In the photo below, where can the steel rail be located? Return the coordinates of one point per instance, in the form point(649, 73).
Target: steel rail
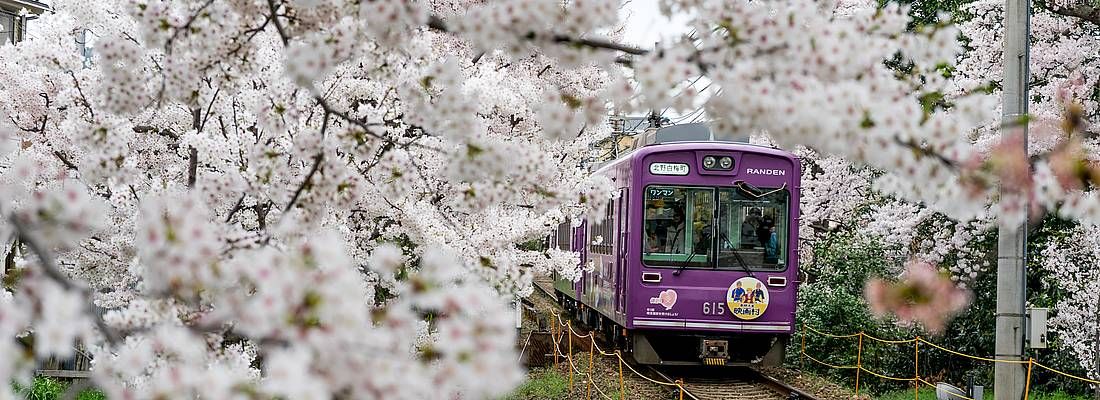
point(702, 389)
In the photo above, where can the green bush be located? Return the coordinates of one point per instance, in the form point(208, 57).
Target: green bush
point(46, 388)
point(543, 384)
point(832, 301)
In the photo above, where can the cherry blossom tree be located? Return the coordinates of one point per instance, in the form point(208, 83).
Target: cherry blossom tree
point(309, 199)
point(236, 182)
point(1071, 259)
point(1064, 108)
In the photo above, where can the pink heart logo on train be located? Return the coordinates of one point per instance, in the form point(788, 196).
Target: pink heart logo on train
point(668, 299)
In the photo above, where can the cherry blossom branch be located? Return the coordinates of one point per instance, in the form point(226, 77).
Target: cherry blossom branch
point(50, 269)
point(437, 23)
point(45, 112)
point(367, 127)
point(193, 154)
point(65, 160)
point(162, 132)
point(1086, 12)
point(83, 100)
point(275, 21)
point(317, 159)
point(209, 109)
point(186, 26)
point(924, 151)
point(237, 207)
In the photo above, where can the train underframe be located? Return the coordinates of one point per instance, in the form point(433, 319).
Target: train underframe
point(665, 347)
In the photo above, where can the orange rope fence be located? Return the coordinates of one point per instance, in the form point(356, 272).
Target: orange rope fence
point(564, 328)
point(916, 379)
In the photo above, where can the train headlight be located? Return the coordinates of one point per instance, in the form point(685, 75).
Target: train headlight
point(725, 162)
point(709, 161)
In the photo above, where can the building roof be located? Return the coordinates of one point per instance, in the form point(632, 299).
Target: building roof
point(34, 6)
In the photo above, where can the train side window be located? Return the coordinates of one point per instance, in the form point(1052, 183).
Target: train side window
point(600, 232)
point(678, 227)
point(564, 236)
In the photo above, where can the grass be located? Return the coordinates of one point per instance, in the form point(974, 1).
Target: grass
point(543, 384)
point(46, 388)
point(929, 394)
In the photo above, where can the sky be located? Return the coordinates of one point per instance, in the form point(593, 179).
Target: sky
point(645, 24)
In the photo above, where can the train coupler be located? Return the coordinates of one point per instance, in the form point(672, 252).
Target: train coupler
point(715, 352)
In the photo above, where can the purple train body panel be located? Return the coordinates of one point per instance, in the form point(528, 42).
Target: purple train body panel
point(696, 261)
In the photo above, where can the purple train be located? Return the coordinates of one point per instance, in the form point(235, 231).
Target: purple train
point(696, 261)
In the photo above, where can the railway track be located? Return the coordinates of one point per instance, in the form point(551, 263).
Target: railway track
point(709, 383)
point(730, 383)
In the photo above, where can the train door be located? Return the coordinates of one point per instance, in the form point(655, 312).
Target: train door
point(621, 254)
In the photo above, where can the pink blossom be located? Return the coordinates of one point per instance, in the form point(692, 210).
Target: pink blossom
point(924, 296)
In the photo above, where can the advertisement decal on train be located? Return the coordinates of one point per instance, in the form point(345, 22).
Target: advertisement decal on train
point(666, 298)
point(747, 298)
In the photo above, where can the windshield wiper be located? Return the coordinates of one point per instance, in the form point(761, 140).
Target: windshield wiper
point(740, 261)
point(684, 265)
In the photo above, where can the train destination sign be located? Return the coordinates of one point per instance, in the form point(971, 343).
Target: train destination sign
point(747, 298)
point(661, 168)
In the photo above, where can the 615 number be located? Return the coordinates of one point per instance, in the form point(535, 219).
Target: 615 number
point(714, 308)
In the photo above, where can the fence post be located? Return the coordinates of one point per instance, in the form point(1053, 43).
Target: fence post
point(557, 341)
point(569, 327)
point(622, 387)
point(1027, 383)
point(916, 368)
point(591, 349)
point(859, 360)
point(802, 354)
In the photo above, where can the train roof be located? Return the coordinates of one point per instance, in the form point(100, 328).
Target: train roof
point(697, 145)
point(697, 136)
point(644, 151)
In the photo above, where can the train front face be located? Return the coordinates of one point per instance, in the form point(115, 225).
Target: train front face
point(714, 254)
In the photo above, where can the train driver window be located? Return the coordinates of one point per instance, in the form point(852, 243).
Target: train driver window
point(678, 226)
point(752, 228)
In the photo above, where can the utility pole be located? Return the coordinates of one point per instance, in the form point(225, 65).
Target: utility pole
point(1009, 379)
point(1096, 357)
point(618, 122)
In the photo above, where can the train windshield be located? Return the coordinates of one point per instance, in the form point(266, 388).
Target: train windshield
point(750, 231)
point(752, 225)
point(678, 226)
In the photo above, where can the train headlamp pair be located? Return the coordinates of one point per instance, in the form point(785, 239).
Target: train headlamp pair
point(714, 162)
